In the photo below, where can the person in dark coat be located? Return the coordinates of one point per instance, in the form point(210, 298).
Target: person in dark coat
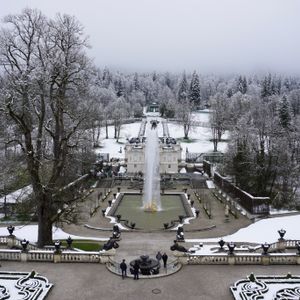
point(165, 259)
point(158, 256)
point(123, 267)
point(136, 269)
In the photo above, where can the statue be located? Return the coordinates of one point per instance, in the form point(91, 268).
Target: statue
point(116, 232)
point(178, 247)
point(180, 234)
point(110, 244)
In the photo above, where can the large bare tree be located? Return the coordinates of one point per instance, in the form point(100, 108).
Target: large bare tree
point(46, 75)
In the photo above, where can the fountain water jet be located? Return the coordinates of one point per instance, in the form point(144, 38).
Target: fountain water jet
point(151, 198)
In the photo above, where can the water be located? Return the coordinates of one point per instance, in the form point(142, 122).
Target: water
point(130, 208)
point(151, 198)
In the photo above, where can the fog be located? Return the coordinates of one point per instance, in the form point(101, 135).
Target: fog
point(222, 36)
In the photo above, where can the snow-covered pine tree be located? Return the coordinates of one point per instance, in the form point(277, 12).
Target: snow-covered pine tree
point(183, 89)
point(194, 93)
point(284, 113)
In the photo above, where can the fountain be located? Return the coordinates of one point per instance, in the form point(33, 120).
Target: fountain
point(148, 266)
point(151, 198)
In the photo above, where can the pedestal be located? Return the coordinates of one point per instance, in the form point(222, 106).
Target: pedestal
point(231, 260)
point(57, 258)
point(265, 260)
point(23, 256)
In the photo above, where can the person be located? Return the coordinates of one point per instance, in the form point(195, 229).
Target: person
point(123, 267)
point(165, 259)
point(136, 268)
point(158, 256)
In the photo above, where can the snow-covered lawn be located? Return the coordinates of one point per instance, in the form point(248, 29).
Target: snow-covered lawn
point(199, 136)
point(30, 233)
point(17, 196)
point(262, 231)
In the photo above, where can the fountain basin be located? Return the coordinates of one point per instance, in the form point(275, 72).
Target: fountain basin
point(130, 207)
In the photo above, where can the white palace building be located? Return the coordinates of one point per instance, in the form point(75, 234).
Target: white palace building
point(169, 153)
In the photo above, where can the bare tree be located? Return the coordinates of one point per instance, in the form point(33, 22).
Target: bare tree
point(47, 75)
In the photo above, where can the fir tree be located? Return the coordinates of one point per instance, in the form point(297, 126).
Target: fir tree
point(266, 90)
point(119, 87)
point(136, 84)
point(284, 113)
point(183, 89)
point(194, 94)
point(242, 85)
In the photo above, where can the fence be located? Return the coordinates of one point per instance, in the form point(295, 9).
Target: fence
point(255, 205)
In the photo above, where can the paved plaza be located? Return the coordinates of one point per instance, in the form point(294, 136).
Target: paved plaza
point(94, 281)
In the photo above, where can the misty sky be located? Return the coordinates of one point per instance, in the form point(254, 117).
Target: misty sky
point(175, 35)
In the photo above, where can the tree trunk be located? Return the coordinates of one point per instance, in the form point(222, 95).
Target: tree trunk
point(115, 127)
point(106, 129)
point(215, 139)
point(44, 221)
point(98, 134)
point(186, 130)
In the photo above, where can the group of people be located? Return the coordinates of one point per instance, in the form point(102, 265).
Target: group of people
point(136, 267)
point(163, 257)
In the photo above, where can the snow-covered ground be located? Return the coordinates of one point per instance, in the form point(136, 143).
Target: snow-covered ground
point(17, 196)
point(30, 233)
point(200, 137)
point(262, 231)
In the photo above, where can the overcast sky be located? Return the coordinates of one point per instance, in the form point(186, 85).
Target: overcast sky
point(176, 35)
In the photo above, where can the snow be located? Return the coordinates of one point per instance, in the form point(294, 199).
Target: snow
point(262, 231)
point(274, 211)
point(210, 184)
point(30, 233)
point(17, 195)
point(200, 136)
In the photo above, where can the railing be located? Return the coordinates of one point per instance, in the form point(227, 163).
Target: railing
point(39, 255)
point(3, 240)
point(286, 244)
point(85, 257)
point(6, 254)
point(49, 254)
point(241, 259)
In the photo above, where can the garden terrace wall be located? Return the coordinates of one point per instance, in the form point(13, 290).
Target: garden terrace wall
point(255, 205)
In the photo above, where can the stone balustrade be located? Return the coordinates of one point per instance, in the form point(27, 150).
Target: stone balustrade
point(85, 257)
point(48, 254)
point(6, 254)
point(40, 255)
point(3, 240)
point(239, 259)
point(51, 256)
